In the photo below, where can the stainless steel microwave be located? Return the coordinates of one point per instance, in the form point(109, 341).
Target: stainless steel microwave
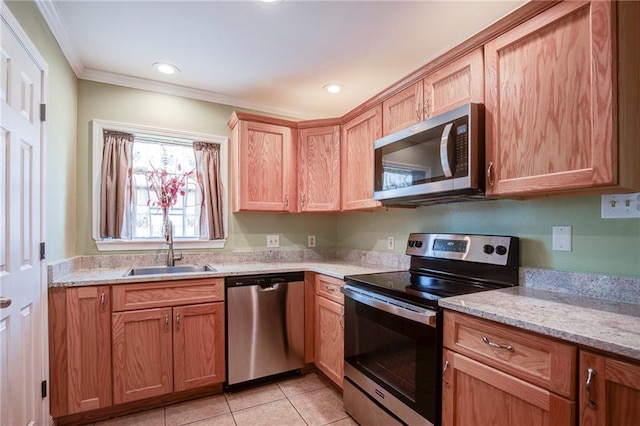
point(438, 160)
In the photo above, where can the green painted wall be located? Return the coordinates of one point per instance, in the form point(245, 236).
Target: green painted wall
point(609, 246)
point(60, 135)
point(125, 105)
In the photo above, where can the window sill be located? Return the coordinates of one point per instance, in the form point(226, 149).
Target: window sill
point(121, 245)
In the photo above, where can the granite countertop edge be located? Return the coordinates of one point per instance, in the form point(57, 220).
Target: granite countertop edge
point(116, 276)
point(608, 326)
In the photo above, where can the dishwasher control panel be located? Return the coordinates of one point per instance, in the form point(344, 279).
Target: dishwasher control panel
point(264, 280)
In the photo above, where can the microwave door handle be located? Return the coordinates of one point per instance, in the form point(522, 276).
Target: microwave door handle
point(446, 150)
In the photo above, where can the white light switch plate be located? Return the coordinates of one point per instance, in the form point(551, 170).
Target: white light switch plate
point(561, 238)
point(620, 206)
point(391, 243)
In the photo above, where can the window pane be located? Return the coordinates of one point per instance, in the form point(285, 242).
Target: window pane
point(176, 159)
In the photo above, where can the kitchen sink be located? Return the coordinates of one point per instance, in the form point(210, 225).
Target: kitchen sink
point(157, 270)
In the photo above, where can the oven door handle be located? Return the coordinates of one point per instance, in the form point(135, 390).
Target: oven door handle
point(421, 315)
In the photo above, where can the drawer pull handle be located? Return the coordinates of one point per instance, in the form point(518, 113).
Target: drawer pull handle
point(591, 373)
point(330, 288)
point(496, 345)
point(102, 302)
point(166, 323)
point(446, 365)
point(178, 321)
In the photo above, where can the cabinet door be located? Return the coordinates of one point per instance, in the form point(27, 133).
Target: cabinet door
point(475, 394)
point(329, 345)
point(266, 168)
point(319, 169)
point(612, 396)
point(402, 110)
point(79, 349)
point(142, 354)
point(549, 116)
point(356, 166)
point(455, 84)
point(198, 345)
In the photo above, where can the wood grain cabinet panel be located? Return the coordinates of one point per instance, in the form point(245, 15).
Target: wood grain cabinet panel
point(80, 349)
point(329, 345)
point(546, 362)
point(142, 354)
point(319, 169)
point(403, 109)
point(173, 293)
point(263, 165)
point(476, 394)
point(198, 345)
point(455, 84)
point(356, 168)
point(559, 108)
point(611, 396)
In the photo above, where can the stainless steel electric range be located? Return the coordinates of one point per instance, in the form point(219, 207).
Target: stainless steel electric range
point(393, 325)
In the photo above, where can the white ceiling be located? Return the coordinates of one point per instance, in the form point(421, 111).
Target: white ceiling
point(273, 57)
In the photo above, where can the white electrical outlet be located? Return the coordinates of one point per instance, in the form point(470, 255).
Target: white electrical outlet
point(311, 241)
point(561, 238)
point(273, 240)
point(620, 206)
point(391, 243)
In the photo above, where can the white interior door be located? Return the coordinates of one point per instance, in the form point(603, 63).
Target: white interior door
point(21, 318)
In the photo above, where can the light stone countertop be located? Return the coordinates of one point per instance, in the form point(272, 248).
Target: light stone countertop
point(101, 276)
point(595, 323)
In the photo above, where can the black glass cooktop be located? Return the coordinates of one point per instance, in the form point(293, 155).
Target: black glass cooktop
point(414, 287)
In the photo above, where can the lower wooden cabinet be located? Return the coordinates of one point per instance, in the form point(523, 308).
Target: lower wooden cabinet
point(609, 391)
point(163, 350)
point(79, 349)
point(494, 374)
point(476, 394)
point(329, 328)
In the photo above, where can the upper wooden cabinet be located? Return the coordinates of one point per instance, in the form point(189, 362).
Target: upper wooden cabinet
point(356, 160)
point(319, 169)
point(609, 391)
point(80, 349)
point(263, 168)
point(456, 83)
point(561, 101)
point(403, 109)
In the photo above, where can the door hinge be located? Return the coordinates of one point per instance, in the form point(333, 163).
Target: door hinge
point(44, 388)
point(41, 251)
point(43, 112)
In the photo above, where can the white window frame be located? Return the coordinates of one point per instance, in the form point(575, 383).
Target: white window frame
point(97, 130)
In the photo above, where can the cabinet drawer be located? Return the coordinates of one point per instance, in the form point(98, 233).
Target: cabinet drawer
point(329, 288)
point(128, 297)
point(537, 359)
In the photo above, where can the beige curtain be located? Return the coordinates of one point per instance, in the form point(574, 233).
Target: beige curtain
point(208, 172)
point(115, 185)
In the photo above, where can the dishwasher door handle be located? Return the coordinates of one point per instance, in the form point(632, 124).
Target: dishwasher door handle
point(270, 288)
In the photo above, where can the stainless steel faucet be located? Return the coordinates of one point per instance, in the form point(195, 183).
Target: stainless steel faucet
point(168, 235)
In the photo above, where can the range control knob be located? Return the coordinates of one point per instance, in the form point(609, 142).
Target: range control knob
point(418, 244)
point(410, 243)
point(501, 250)
point(488, 249)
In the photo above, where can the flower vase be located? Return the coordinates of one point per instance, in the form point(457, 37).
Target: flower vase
point(165, 222)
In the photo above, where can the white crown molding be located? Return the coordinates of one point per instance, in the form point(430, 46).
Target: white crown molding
point(188, 92)
point(52, 17)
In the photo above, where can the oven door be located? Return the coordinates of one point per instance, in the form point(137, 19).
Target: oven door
point(392, 353)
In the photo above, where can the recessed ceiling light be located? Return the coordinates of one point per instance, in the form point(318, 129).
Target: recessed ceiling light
point(166, 68)
point(333, 88)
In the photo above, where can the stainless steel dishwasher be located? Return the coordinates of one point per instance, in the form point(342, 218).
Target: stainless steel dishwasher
point(265, 325)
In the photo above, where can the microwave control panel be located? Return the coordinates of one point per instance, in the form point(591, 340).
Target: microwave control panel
point(461, 127)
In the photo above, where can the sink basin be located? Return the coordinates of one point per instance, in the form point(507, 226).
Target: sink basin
point(157, 270)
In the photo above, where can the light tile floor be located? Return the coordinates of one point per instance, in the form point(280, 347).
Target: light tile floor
point(304, 400)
